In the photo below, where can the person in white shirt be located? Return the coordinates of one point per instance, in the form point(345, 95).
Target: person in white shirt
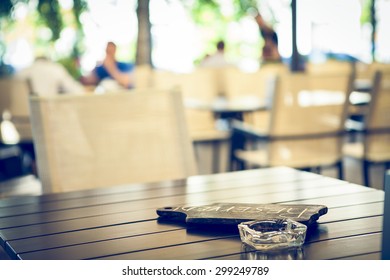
point(48, 78)
point(217, 59)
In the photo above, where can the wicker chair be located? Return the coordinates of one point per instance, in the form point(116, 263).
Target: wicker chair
point(305, 127)
point(96, 141)
point(375, 146)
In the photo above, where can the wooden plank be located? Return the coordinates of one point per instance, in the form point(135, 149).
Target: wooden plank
point(254, 194)
point(352, 247)
point(181, 252)
point(228, 248)
point(77, 224)
point(135, 243)
point(305, 189)
point(352, 212)
point(336, 214)
point(88, 236)
point(367, 257)
point(155, 193)
point(140, 215)
point(191, 181)
point(322, 232)
point(167, 239)
point(346, 199)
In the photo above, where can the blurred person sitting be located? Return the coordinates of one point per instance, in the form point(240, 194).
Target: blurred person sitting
point(111, 70)
point(217, 59)
point(48, 78)
point(270, 52)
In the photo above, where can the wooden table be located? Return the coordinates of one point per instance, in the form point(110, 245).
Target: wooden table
point(225, 108)
point(121, 222)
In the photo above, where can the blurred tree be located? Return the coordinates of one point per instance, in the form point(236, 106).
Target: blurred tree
point(204, 12)
point(373, 25)
point(71, 63)
point(369, 17)
point(144, 39)
point(79, 6)
point(50, 15)
point(6, 9)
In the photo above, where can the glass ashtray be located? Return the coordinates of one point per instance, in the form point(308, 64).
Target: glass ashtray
point(272, 234)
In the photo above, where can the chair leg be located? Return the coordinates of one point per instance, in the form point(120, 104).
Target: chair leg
point(316, 170)
point(340, 169)
point(216, 155)
point(237, 142)
point(306, 169)
point(366, 173)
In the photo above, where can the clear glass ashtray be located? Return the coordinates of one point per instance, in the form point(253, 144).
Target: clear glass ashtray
point(272, 234)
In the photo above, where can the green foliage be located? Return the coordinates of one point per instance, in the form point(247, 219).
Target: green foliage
point(79, 6)
point(243, 6)
point(72, 66)
point(366, 12)
point(205, 11)
point(208, 14)
point(50, 12)
point(6, 8)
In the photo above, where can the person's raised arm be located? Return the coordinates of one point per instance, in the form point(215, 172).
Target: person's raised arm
point(262, 24)
point(124, 79)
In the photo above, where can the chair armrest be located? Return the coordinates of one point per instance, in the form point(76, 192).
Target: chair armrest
point(241, 134)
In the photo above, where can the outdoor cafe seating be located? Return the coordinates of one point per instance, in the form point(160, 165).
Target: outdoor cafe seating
point(375, 145)
point(92, 141)
point(306, 126)
point(154, 133)
point(111, 169)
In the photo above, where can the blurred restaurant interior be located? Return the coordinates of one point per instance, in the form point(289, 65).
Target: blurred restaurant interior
point(155, 98)
point(321, 104)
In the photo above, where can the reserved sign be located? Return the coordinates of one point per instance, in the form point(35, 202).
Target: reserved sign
point(235, 213)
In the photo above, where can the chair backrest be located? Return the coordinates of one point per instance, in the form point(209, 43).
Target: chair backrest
point(200, 84)
point(260, 84)
point(309, 104)
point(307, 117)
point(379, 107)
point(377, 123)
point(367, 71)
point(14, 94)
point(386, 219)
point(330, 67)
point(103, 140)
point(163, 79)
point(143, 76)
point(240, 84)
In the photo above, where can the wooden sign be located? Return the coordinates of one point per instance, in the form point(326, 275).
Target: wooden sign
point(235, 213)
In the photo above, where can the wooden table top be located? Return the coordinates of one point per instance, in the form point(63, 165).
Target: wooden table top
point(246, 103)
point(121, 222)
